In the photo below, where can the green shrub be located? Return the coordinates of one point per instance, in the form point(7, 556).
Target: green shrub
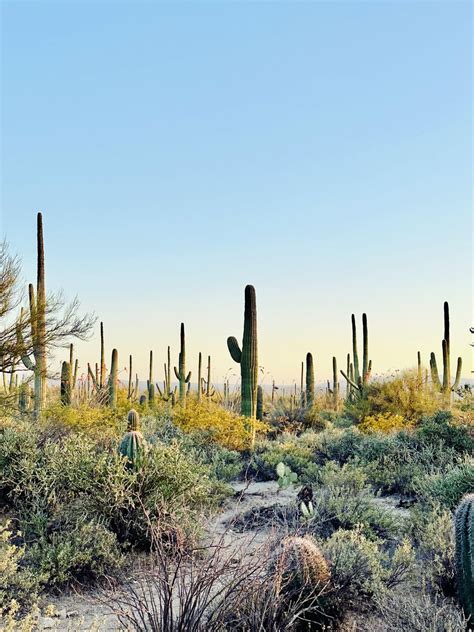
point(361, 572)
point(433, 531)
point(441, 428)
point(65, 491)
point(17, 583)
point(448, 488)
point(88, 553)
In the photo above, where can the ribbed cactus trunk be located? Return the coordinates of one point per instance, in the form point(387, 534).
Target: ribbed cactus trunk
point(259, 413)
point(39, 347)
point(113, 379)
point(309, 379)
point(355, 355)
point(247, 357)
point(151, 384)
point(199, 383)
point(65, 384)
point(464, 558)
point(445, 386)
point(102, 357)
point(181, 376)
point(130, 386)
point(209, 389)
point(335, 384)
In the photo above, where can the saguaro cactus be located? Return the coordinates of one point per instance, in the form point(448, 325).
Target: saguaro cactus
point(151, 384)
point(309, 379)
point(259, 413)
point(359, 380)
point(113, 380)
point(65, 384)
point(464, 532)
point(181, 376)
point(445, 386)
point(334, 391)
point(247, 357)
point(37, 325)
point(133, 445)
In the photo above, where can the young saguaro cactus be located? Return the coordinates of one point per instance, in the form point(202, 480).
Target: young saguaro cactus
point(445, 386)
point(247, 357)
point(464, 558)
point(309, 379)
point(181, 376)
point(133, 444)
point(66, 386)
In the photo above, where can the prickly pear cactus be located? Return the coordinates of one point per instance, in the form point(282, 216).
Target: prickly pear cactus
point(285, 476)
point(300, 564)
point(464, 532)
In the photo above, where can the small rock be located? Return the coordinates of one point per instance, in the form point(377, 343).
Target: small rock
point(71, 614)
point(62, 614)
point(47, 623)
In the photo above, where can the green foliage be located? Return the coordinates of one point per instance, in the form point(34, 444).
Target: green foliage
point(16, 582)
point(361, 572)
point(87, 553)
point(449, 487)
point(434, 534)
point(401, 395)
point(63, 491)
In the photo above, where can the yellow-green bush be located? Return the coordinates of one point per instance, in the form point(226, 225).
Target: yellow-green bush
point(227, 428)
point(384, 422)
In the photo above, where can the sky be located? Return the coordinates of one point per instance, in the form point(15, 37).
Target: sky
point(321, 151)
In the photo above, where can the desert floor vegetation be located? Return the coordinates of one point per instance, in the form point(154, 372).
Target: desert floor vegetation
point(193, 506)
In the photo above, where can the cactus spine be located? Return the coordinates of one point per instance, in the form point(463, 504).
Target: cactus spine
point(301, 564)
point(181, 376)
point(445, 386)
point(113, 380)
point(247, 357)
point(309, 379)
point(464, 559)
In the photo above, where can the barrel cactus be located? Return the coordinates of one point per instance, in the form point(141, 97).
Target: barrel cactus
point(464, 532)
point(133, 444)
point(301, 564)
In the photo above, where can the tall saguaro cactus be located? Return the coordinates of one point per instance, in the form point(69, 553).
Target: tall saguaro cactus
point(37, 325)
point(113, 380)
point(181, 376)
point(464, 532)
point(445, 386)
point(309, 379)
point(247, 357)
point(334, 391)
point(359, 380)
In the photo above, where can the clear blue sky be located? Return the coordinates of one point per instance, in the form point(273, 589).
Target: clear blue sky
point(321, 151)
